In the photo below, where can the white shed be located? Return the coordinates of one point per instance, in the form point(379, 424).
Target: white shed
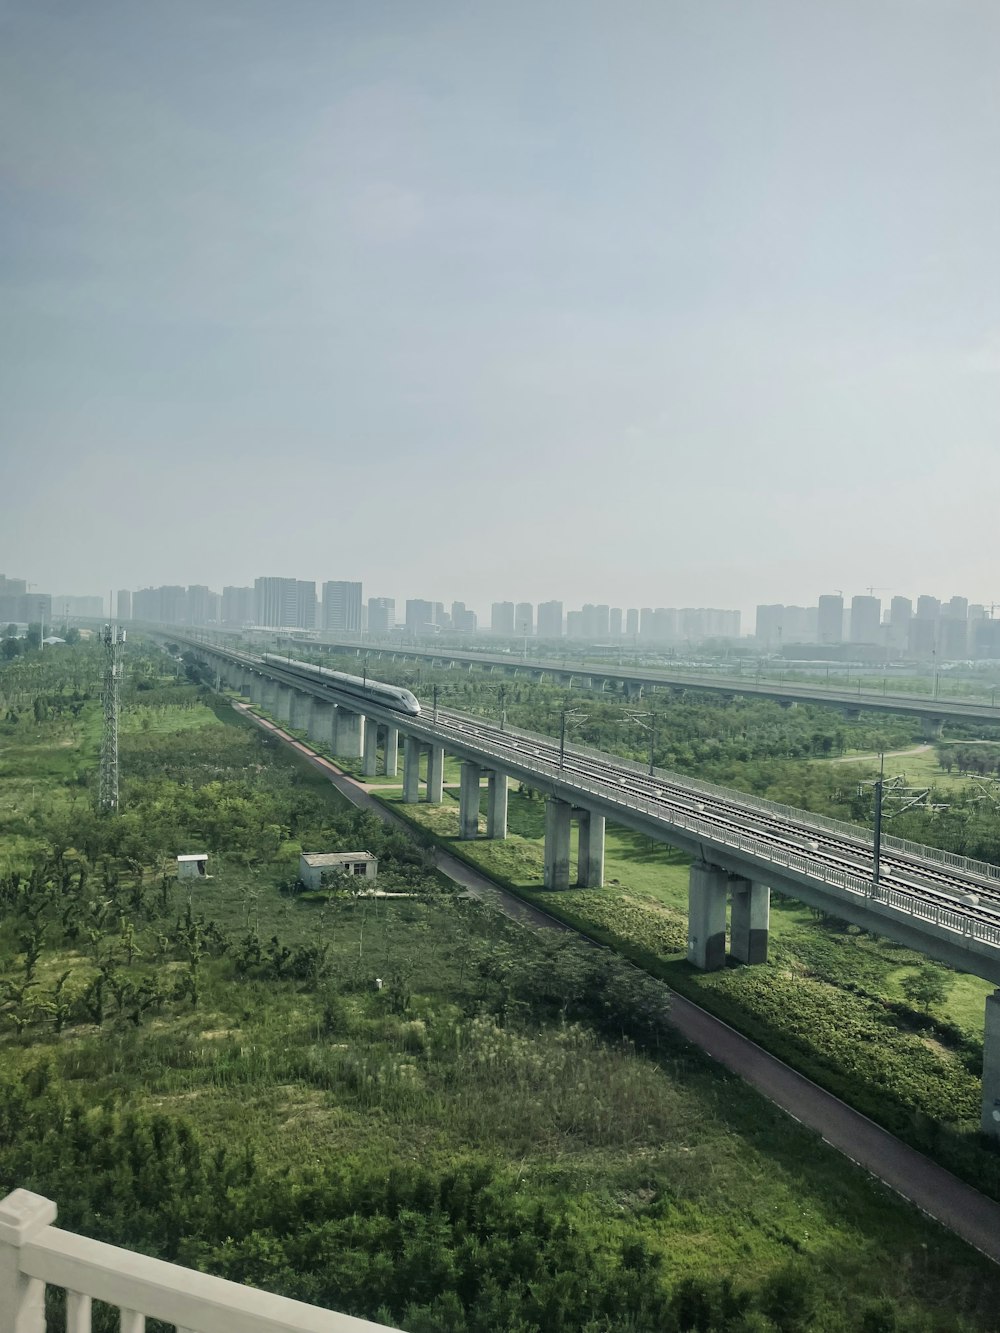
point(193, 867)
point(314, 865)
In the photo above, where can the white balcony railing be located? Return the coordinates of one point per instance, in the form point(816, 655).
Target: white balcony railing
point(34, 1254)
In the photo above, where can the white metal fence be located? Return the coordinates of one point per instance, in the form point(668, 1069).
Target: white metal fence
point(34, 1255)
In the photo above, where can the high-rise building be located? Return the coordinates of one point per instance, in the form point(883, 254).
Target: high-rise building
point(463, 621)
point(203, 605)
point(381, 615)
point(667, 625)
point(502, 618)
point(420, 616)
point(866, 617)
point(550, 620)
point(124, 603)
point(632, 622)
point(342, 607)
point(830, 619)
point(68, 604)
point(237, 606)
point(12, 587)
point(900, 615)
point(928, 608)
point(574, 625)
point(285, 603)
point(646, 623)
point(524, 618)
point(615, 622)
point(953, 639)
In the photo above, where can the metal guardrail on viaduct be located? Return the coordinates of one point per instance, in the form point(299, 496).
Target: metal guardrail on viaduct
point(939, 904)
point(933, 710)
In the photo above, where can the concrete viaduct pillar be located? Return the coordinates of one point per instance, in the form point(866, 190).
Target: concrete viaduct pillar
point(558, 815)
point(590, 849)
point(411, 771)
point(269, 696)
point(496, 806)
point(321, 722)
point(391, 751)
point(370, 765)
point(301, 711)
point(708, 888)
point(468, 803)
point(350, 738)
point(283, 703)
point(749, 925)
point(435, 774)
point(991, 1067)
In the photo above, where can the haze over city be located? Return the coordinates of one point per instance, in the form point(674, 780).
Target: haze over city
point(684, 304)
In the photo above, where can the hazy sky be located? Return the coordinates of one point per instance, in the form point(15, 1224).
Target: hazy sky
point(668, 303)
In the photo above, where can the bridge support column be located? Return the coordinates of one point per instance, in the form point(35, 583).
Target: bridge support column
point(253, 687)
point(706, 945)
point(590, 853)
point(321, 722)
point(370, 766)
point(391, 751)
point(301, 711)
point(558, 815)
point(350, 734)
point(269, 696)
point(496, 805)
point(283, 706)
point(435, 774)
point(411, 771)
point(991, 1067)
point(932, 728)
point(750, 921)
point(468, 803)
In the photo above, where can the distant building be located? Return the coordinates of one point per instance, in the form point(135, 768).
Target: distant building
point(463, 621)
point(342, 607)
point(769, 626)
point(124, 603)
point(632, 622)
point(666, 625)
point(502, 618)
point(12, 587)
point(65, 604)
point(574, 624)
point(615, 622)
point(830, 619)
point(381, 615)
point(420, 616)
point(524, 618)
point(284, 603)
point(550, 620)
point(204, 607)
point(900, 615)
point(866, 618)
point(237, 606)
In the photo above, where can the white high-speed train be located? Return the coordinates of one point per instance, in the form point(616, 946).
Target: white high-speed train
point(389, 696)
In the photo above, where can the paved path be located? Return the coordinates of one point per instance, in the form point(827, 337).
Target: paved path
point(935, 1191)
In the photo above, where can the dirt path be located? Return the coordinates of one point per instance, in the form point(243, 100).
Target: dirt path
point(936, 1192)
point(889, 754)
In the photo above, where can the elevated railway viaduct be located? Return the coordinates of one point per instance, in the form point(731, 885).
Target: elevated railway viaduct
point(942, 905)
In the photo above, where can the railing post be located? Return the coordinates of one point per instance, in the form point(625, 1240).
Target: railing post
point(22, 1299)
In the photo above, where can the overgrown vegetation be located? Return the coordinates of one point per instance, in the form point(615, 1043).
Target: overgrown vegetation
point(504, 1135)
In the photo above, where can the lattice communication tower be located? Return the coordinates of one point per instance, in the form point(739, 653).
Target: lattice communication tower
point(113, 637)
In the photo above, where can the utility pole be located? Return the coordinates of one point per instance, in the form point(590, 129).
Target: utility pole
point(114, 640)
point(651, 728)
point(877, 839)
point(502, 704)
point(435, 688)
point(566, 712)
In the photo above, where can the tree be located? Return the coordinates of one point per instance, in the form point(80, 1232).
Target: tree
point(72, 635)
point(926, 987)
point(11, 631)
point(34, 636)
point(10, 648)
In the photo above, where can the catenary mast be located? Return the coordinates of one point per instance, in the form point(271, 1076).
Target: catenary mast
point(114, 639)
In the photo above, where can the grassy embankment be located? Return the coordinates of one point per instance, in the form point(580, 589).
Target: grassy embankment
point(830, 1000)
